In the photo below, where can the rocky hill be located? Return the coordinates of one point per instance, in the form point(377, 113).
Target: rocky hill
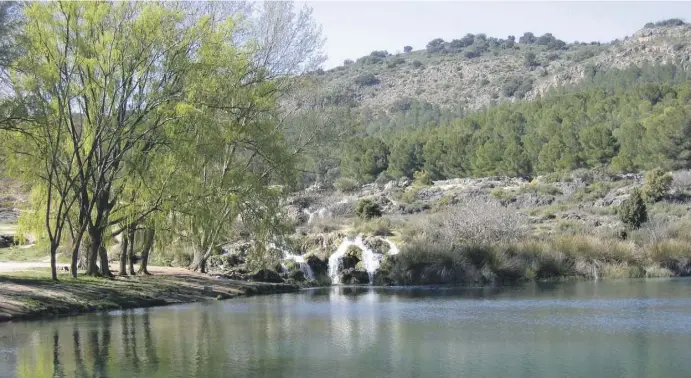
point(478, 71)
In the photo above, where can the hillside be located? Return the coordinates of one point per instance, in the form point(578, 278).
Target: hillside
point(479, 71)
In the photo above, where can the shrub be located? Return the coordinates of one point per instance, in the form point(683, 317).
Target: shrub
point(367, 209)
point(502, 195)
point(632, 212)
point(366, 79)
point(436, 45)
point(379, 54)
point(417, 64)
point(346, 185)
point(530, 59)
point(543, 189)
point(517, 87)
point(471, 53)
point(478, 221)
point(376, 227)
point(422, 178)
point(656, 185)
point(407, 49)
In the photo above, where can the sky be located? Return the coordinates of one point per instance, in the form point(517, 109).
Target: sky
point(356, 28)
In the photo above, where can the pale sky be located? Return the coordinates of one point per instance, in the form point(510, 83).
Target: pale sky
point(355, 28)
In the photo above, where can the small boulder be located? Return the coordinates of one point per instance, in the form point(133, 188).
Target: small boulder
point(6, 241)
point(297, 275)
point(266, 275)
point(318, 265)
point(354, 277)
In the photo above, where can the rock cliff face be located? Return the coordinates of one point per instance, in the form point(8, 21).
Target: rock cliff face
point(452, 79)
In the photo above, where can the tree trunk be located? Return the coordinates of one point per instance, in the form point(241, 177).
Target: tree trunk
point(53, 267)
point(148, 244)
point(105, 269)
point(130, 254)
point(199, 261)
point(123, 254)
point(92, 252)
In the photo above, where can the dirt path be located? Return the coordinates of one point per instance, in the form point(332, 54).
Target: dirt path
point(26, 290)
point(6, 267)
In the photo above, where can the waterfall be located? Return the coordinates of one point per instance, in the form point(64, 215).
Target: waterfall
point(334, 260)
point(370, 259)
point(299, 259)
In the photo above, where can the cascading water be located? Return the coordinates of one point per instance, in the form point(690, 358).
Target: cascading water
point(304, 266)
point(299, 259)
point(370, 259)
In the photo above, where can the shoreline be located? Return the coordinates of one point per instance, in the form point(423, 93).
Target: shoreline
point(31, 295)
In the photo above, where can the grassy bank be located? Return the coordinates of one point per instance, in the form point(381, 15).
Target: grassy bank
point(30, 295)
point(423, 262)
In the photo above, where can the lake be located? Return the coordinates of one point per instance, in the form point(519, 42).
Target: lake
point(618, 328)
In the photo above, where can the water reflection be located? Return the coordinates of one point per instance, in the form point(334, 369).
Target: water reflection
point(597, 329)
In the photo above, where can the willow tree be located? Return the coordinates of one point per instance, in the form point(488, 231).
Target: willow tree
point(107, 79)
point(237, 148)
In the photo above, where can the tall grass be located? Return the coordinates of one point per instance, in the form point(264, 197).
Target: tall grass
point(486, 243)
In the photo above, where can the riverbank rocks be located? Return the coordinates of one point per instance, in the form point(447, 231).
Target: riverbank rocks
point(352, 257)
point(354, 277)
point(298, 276)
point(318, 266)
point(266, 275)
point(6, 241)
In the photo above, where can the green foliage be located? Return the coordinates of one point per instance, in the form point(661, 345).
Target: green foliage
point(367, 209)
point(632, 212)
point(407, 49)
point(502, 194)
point(367, 79)
point(346, 185)
point(364, 158)
point(530, 60)
point(543, 189)
point(656, 185)
point(664, 23)
point(435, 46)
point(376, 227)
point(517, 87)
point(422, 178)
point(593, 192)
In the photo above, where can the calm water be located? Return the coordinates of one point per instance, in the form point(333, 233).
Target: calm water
point(630, 328)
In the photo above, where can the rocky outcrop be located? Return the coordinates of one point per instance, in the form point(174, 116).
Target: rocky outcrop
point(318, 266)
point(266, 275)
point(354, 276)
point(6, 241)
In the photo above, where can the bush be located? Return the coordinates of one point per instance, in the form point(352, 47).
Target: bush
point(530, 59)
point(478, 221)
point(632, 212)
point(367, 209)
point(422, 178)
point(366, 79)
point(436, 45)
point(346, 185)
point(417, 64)
point(656, 185)
point(407, 49)
point(517, 87)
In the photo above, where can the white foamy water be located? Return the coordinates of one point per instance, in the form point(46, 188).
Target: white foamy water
point(370, 259)
point(299, 259)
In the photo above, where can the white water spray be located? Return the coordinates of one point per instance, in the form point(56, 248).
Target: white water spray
point(370, 259)
point(299, 259)
point(304, 266)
